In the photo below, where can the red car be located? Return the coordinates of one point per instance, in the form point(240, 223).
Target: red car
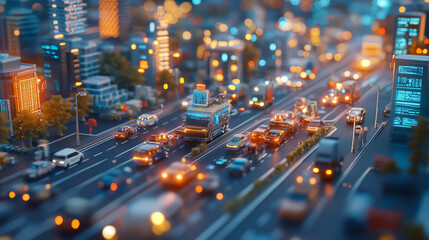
point(124, 133)
point(275, 137)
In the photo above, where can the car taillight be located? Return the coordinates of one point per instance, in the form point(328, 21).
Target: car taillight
point(328, 172)
point(315, 170)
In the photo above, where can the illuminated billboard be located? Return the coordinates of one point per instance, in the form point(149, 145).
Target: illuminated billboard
point(410, 28)
point(409, 93)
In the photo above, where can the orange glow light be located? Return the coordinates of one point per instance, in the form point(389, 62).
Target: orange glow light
point(27, 92)
point(200, 176)
point(113, 187)
point(75, 224)
point(198, 189)
point(59, 220)
point(108, 18)
point(328, 172)
point(402, 9)
point(12, 194)
point(315, 170)
point(382, 31)
point(16, 32)
point(251, 63)
point(26, 197)
point(219, 196)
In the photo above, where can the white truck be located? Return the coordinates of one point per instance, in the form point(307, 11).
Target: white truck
point(329, 160)
point(372, 53)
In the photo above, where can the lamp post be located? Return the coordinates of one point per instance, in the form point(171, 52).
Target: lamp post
point(376, 107)
point(353, 137)
point(77, 116)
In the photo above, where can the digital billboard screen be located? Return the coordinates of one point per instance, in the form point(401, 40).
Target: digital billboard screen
point(407, 29)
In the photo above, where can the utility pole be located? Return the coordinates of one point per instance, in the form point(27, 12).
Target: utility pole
point(353, 137)
point(376, 106)
point(77, 117)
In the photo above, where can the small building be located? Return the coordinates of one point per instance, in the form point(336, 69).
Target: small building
point(106, 95)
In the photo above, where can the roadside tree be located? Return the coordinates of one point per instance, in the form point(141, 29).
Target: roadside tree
point(29, 126)
point(57, 112)
point(84, 104)
point(4, 135)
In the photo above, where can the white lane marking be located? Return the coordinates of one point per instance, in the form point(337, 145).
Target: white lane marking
point(124, 142)
point(59, 172)
point(155, 127)
point(86, 159)
point(195, 217)
point(182, 146)
point(135, 136)
point(359, 181)
point(164, 123)
point(214, 227)
point(54, 184)
point(263, 219)
point(74, 165)
point(98, 154)
point(110, 148)
point(174, 119)
point(12, 225)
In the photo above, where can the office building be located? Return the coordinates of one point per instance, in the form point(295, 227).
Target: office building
point(410, 29)
point(144, 57)
point(22, 28)
point(5, 108)
point(19, 84)
point(410, 94)
point(89, 57)
point(225, 58)
point(106, 95)
point(114, 18)
point(162, 41)
point(67, 16)
point(61, 69)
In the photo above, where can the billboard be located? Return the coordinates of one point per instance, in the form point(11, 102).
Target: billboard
point(409, 93)
point(410, 28)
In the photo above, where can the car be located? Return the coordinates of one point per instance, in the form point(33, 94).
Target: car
point(255, 151)
point(149, 153)
point(331, 98)
point(40, 193)
point(147, 120)
point(111, 180)
point(75, 216)
point(222, 162)
point(39, 169)
point(16, 191)
point(144, 215)
point(356, 210)
point(386, 111)
point(352, 75)
point(124, 133)
point(315, 126)
point(258, 135)
point(240, 166)
point(236, 142)
point(186, 102)
point(355, 114)
point(275, 137)
point(208, 183)
point(294, 83)
point(178, 174)
point(67, 157)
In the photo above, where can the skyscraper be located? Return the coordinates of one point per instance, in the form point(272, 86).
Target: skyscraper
point(67, 16)
point(114, 18)
point(144, 57)
point(19, 84)
point(22, 28)
point(162, 42)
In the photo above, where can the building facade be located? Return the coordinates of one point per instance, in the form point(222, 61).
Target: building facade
point(67, 16)
point(114, 18)
point(162, 42)
point(106, 95)
point(22, 28)
point(143, 56)
point(19, 84)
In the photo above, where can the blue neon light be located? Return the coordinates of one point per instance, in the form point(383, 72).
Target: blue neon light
point(273, 46)
point(233, 57)
point(233, 31)
point(254, 99)
point(196, 2)
point(262, 62)
point(224, 57)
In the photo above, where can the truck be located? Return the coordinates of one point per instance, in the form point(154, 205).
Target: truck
point(285, 121)
point(42, 152)
point(262, 95)
point(349, 92)
point(329, 161)
point(258, 135)
point(306, 109)
point(372, 53)
point(207, 117)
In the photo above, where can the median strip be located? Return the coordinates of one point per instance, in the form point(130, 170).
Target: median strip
point(291, 157)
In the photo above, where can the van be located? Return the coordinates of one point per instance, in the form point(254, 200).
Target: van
point(146, 120)
point(67, 157)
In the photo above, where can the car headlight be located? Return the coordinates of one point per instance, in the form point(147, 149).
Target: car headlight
point(164, 175)
point(61, 162)
point(251, 102)
point(261, 104)
point(324, 100)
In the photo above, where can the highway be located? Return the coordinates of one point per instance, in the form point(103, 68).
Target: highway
point(106, 154)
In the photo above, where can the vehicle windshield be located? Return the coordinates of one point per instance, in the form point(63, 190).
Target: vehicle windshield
point(314, 123)
point(34, 167)
point(59, 157)
point(298, 197)
point(234, 140)
point(122, 130)
point(256, 97)
point(274, 134)
point(197, 119)
point(354, 112)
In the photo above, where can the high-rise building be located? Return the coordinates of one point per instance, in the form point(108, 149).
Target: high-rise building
point(61, 69)
point(22, 28)
point(89, 59)
point(67, 16)
point(410, 29)
point(144, 57)
point(410, 98)
point(162, 42)
point(5, 108)
point(114, 18)
point(19, 84)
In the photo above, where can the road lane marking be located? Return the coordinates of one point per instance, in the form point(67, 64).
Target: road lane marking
point(98, 154)
point(110, 148)
point(214, 227)
point(164, 123)
point(359, 181)
point(263, 219)
point(174, 119)
point(58, 173)
point(124, 142)
point(155, 127)
point(74, 165)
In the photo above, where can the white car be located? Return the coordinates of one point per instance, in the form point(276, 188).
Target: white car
point(236, 142)
point(147, 120)
point(67, 157)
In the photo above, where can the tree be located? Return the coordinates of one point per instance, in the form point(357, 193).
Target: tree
point(57, 112)
point(4, 130)
point(251, 56)
point(91, 123)
point(165, 77)
point(83, 103)
point(419, 145)
point(117, 66)
point(29, 126)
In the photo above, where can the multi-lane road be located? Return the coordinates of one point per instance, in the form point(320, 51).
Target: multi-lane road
point(203, 218)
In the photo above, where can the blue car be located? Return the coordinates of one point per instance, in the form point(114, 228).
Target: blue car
point(110, 178)
point(240, 166)
point(149, 153)
point(222, 162)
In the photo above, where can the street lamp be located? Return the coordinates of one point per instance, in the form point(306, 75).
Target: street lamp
point(354, 129)
point(376, 107)
point(77, 117)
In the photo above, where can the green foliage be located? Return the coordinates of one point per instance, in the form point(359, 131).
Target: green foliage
point(251, 53)
point(199, 149)
point(4, 130)
point(83, 103)
point(118, 67)
point(57, 112)
point(29, 126)
point(168, 78)
point(291, 157)
point(390, 168)
point(419, 145)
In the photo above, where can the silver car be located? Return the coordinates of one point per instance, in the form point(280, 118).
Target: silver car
point(39, 169)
